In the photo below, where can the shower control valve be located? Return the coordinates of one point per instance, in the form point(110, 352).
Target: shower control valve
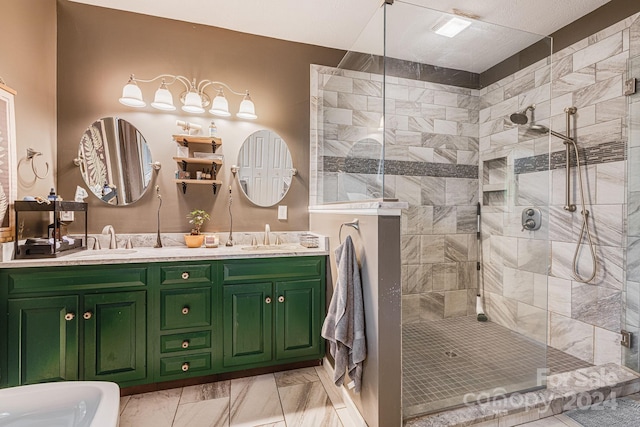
point(531, 219)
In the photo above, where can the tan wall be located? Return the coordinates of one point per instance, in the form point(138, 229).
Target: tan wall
point(28, 65)
point(97, 50)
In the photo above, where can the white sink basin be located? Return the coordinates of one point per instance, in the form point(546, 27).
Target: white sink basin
point(273, 248)
point(105, 252)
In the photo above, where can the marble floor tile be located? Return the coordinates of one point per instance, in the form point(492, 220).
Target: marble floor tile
point(296, 376)
point(254, 401)
point(155, 409)
point(196, 393)
point(345, 418)
point(123, 402)
point(307, 405)
point(546, 422)
point(205, 413)
point(334, 392)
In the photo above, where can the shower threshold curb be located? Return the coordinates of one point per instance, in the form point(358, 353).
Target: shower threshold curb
point(566, 391)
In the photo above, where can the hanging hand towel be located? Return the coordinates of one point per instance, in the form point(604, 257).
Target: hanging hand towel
point(344, 325)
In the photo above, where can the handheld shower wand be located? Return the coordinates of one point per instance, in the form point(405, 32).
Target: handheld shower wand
point(521, 118)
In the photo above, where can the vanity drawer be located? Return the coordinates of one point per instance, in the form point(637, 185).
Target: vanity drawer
point(185, 342)
point(45, 279)
point(185, 308)
point(179, 274)
point(239, 271)
point(185, 365)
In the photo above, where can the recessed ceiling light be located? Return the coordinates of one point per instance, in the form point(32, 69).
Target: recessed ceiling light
point(451, 27)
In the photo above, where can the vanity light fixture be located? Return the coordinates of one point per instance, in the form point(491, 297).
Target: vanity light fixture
point(194, 99)
point(451, 27)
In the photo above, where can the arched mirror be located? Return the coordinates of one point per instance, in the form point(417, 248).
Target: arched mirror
point(115, 161)
point(264, 168)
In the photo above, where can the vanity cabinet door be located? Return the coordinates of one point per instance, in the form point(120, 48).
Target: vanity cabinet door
point(247, 323)
point(43, 333)
point(114, 336)
point(298, 318)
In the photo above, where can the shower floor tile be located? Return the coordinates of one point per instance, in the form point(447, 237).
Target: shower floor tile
point(453, 361)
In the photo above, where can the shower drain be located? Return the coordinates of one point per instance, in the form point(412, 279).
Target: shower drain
point(451, 354)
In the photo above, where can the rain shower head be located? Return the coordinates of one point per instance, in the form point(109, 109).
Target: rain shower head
point(538, 128)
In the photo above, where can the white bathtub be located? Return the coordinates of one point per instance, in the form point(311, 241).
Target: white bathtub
point(62, 404)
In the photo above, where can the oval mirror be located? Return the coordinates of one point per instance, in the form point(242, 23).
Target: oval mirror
point(264, 168)
point(115, 161)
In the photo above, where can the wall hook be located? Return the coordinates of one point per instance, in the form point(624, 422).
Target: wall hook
point(31, 154)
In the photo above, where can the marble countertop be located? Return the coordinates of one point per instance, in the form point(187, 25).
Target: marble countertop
point(165, 254)
point(173, 250)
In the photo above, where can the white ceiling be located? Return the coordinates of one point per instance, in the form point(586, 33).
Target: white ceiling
point(344, 24)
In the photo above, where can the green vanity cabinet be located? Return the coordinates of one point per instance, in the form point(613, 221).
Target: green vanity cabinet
point(248, 319)
point(74, 323)
point(188, 306)
point(115, 337)
point(43, 337)
point(272, 311)
point(144, 323)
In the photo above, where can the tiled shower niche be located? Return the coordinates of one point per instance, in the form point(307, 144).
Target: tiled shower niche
point(494, 181)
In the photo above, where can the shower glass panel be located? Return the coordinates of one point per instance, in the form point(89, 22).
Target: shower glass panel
point(631, 316)
point(347, 142)
point(423, 118)
point(449, 147)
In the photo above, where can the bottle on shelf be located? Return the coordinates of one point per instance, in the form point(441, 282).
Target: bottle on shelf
point(213, 129)
point(52, 195)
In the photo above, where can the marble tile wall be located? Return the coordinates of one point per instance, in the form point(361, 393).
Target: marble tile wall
point(583, 319)
point(440, 139)
point(431, 161)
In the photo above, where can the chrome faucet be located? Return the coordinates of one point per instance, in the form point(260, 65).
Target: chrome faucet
point(108, 229)
point(267, 230)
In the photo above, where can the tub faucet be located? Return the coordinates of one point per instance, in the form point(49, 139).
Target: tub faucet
point(267, 230)
point(108, 229)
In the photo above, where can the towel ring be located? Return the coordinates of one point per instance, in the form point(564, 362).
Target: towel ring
point(31, 154)
point(355, 224)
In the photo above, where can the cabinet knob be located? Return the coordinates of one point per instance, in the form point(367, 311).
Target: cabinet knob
point(185, 366)
point(281, 298)
point(69, 316)
point(185, 310)
point(185, 275)
point(87, 315)
point(267, 300)
point(185, 344)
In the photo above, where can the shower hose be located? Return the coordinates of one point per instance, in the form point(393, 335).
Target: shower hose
point(583, 229)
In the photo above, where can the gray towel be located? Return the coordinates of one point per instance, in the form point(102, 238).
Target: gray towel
point(344, 324)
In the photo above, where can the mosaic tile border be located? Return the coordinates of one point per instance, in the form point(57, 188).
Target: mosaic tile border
point(398, 167)
point(607, 152)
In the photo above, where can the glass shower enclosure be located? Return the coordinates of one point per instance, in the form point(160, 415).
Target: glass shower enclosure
point(414, 115)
